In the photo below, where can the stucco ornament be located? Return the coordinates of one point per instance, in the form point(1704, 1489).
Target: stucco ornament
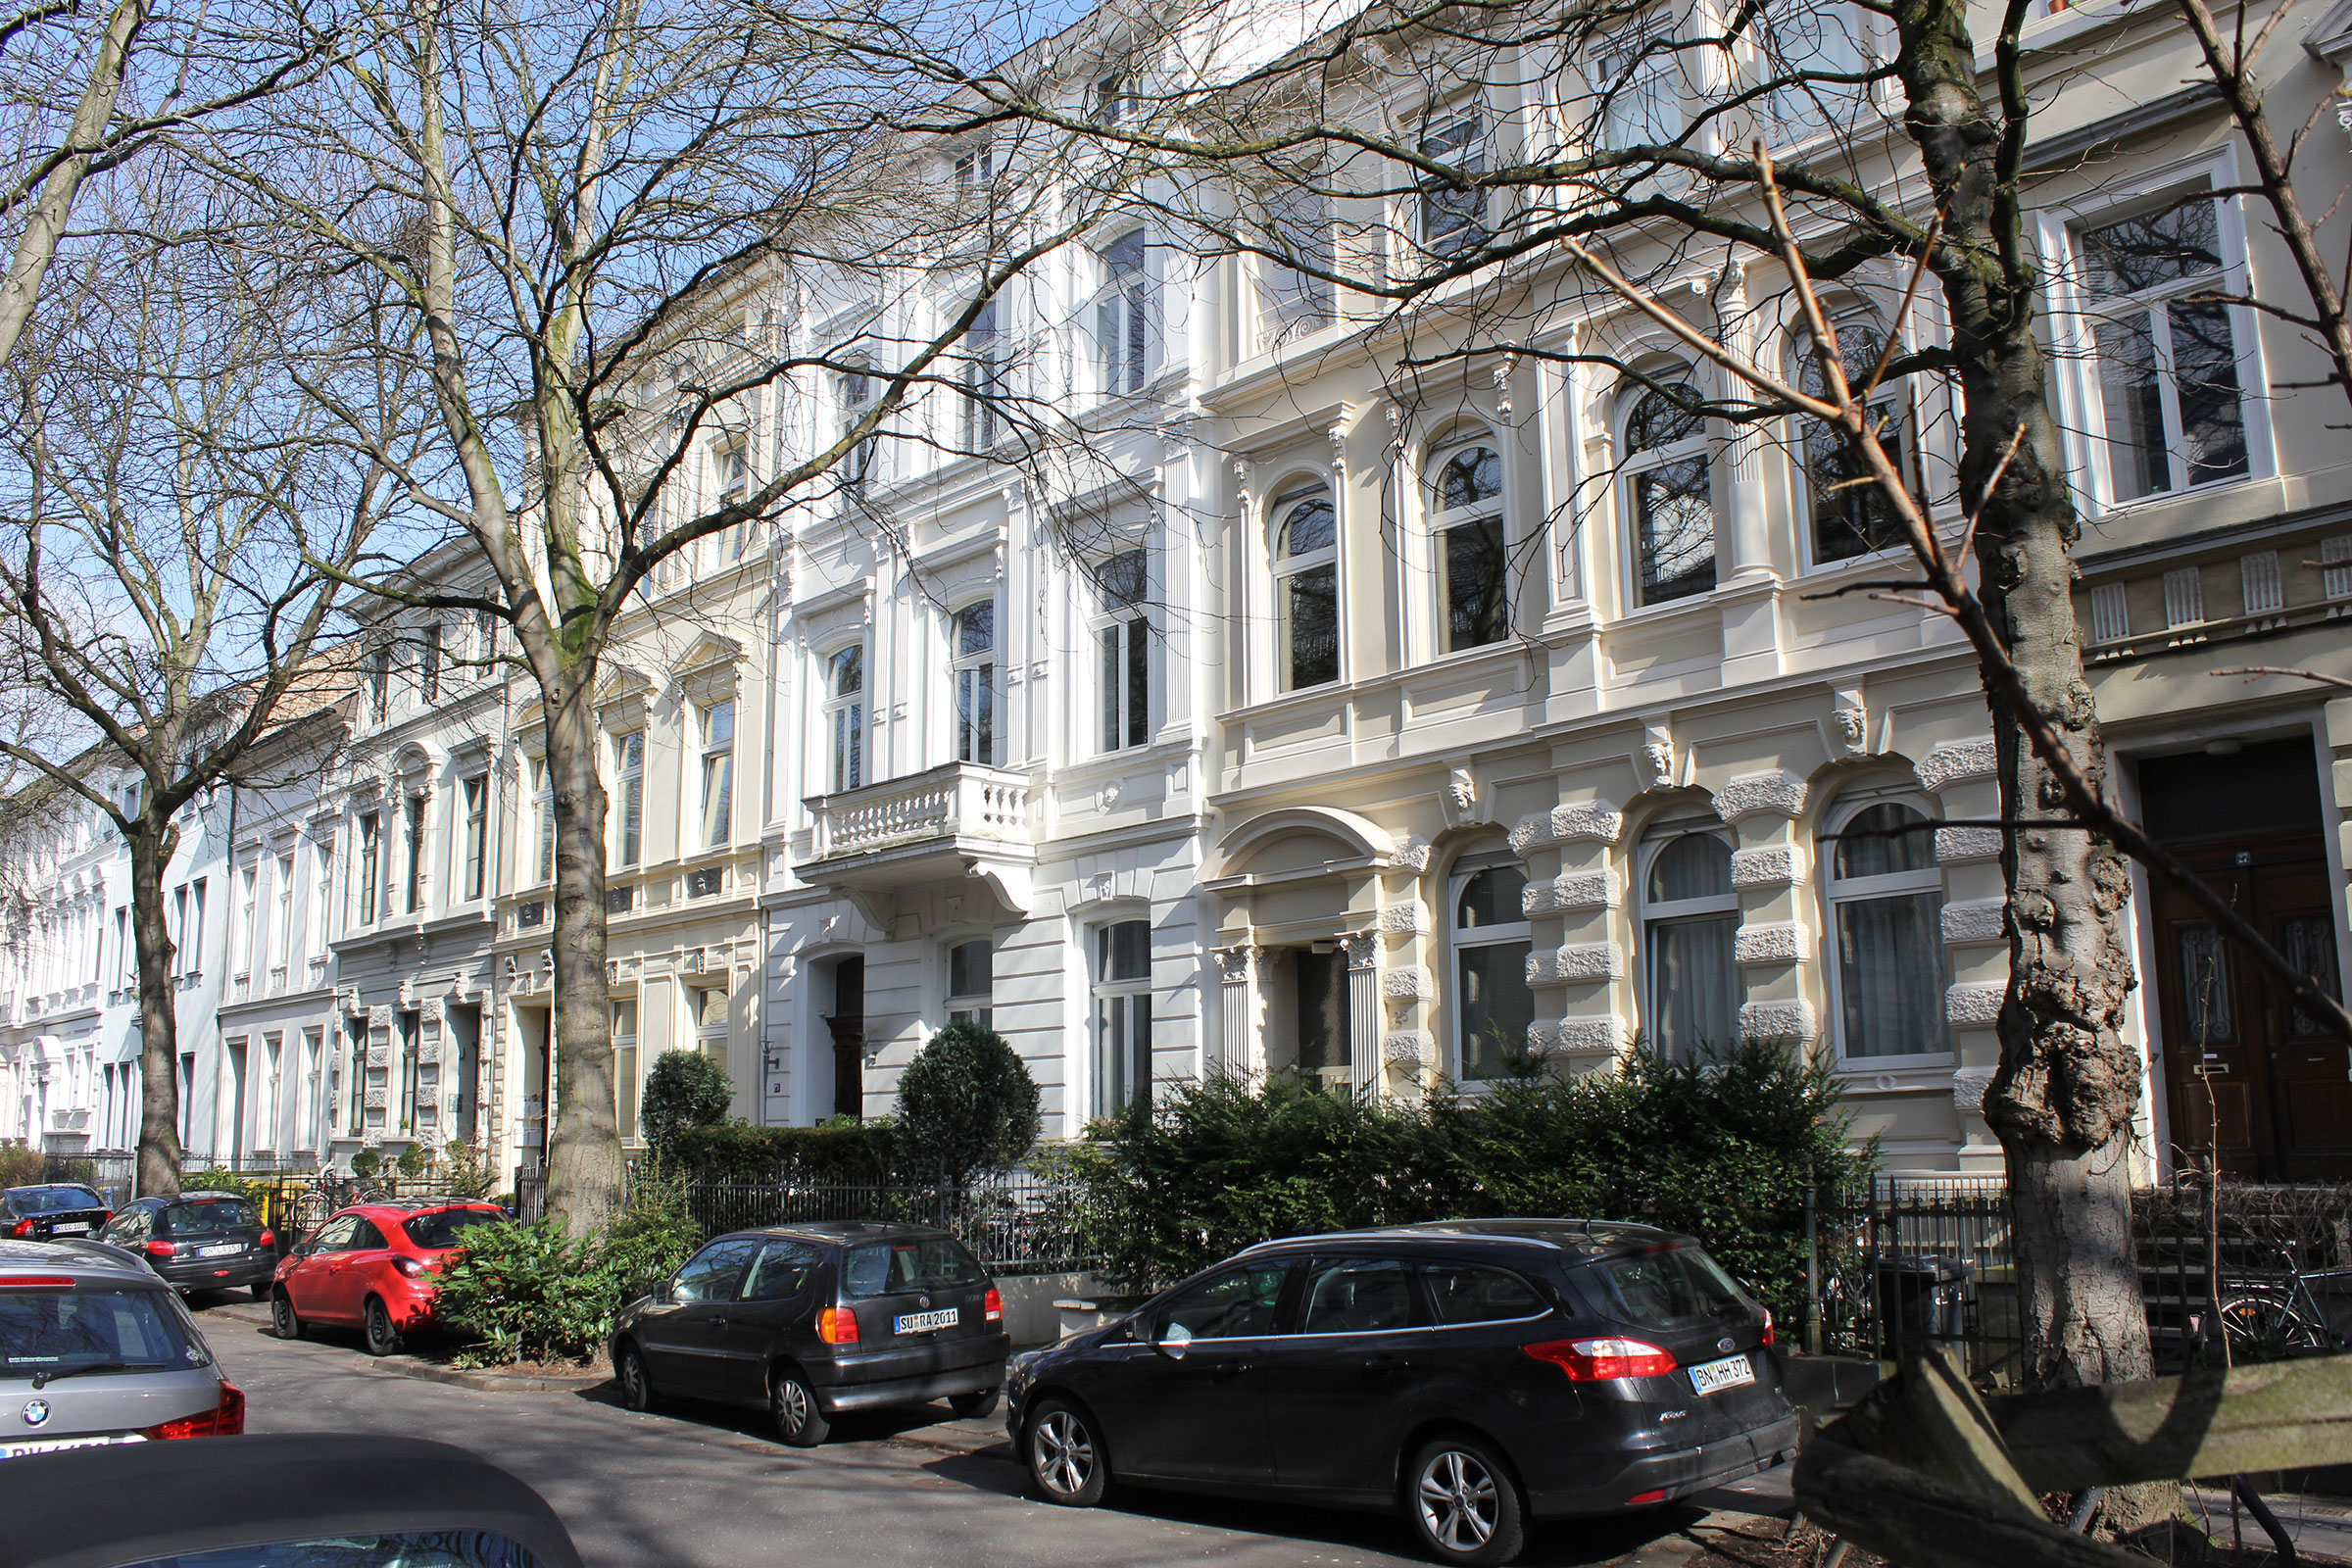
point(1776, 791)
point(1955, 760)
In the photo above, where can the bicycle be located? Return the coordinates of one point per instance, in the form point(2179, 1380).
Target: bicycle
point(2267, 1317)
point(329, 1191)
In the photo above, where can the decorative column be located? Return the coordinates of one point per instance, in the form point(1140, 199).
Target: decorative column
point(1238, 1014)
point(1363, 1009)
point(1960, 775)
point(1739, 447)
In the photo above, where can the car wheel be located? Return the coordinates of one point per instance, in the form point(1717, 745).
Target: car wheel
point(973, 1406)
point(800, 1420)
point(1463, 1503)
point(636, 1383)
point(284, 1321)
point(1066, 1458)
point(381, 1337)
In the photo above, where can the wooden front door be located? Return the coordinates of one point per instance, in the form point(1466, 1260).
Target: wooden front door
point(2237, 1052)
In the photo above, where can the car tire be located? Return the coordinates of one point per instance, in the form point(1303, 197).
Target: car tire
point(260, 1290)
point(284, 1321)
point(1064, 1455)
point(376, 1330)
point(1463, 1504)
point(801, 1421)
point(637, 1391)
point(973, 1406)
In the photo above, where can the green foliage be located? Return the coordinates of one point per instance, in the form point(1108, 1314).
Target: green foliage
point(967, 1105)
point(411, 1162)
point(684, 1088)
point(19, 1166)
point(857, 1153)
point(217, 1180)
point(1721, 1150)
point(532, 1293)
point(367, 1162)
point(465, 1172)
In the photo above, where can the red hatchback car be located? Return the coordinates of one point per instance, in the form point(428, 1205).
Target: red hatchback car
point(372, 1267)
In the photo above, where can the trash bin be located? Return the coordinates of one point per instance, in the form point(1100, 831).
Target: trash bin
point(1922, 1300)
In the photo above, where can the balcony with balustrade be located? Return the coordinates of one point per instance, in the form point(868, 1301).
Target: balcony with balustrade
point(946, 824)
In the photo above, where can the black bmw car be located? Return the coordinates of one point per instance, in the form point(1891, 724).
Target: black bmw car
point(812, 1320)
point(52, 1210)
point(1473, 1375)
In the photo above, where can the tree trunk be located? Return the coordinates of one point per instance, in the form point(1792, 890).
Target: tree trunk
point(159, 1025)
point(583, 1143)
point(2063, 1098)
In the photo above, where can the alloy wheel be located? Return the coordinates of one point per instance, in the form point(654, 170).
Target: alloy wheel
point(1459, 1501)
point(1062, 1452)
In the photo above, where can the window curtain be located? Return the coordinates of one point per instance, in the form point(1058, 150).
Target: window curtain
point(1891, 976)
point(1694, 986)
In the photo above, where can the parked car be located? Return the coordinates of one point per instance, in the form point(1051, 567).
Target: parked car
point(96, 1350)
point(208, 1241)
point(371, 1266)
point(1474, 1375)
point(812, 1320)
point(313, 1499)
point(55, 1208)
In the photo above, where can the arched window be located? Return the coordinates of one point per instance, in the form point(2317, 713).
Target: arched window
point(975, 667)
point(1307, 586)
point(1886, 899)
point(1466, 524)
point(1689, 915)
point(845, 718)
point(1669, 497)
point(1847, 513)
point(1492, 1006)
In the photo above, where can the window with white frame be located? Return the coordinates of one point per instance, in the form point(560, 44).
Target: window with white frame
point(1819, 55)
point(371, 857)
point(2167, 401)
point(1471, 543)
point(1688, 916)
point(1122, 990)
point(1295, 292)
point(323, 893)
point(971, 983)
point(845, 718)
point(1123, 652)
point(981, 374)
point(627, 1092)
point(1492, 1006)
point(1453, 211)
point(1306, 587)
point(428, 663)
point(1116, 100)
point(241, 958)
point(718, 774)
point(282, 929)
point(1886, 899)
point(1669, 495)
point(379, 682)
point(1847, 511)
point(855, 391)
point(628, 783)
point(485, 638)
point(411, 839)
point(974, 671)
point(731, 483)
point(975, 168)
point(474, 852)
point(710, 1007)
point(1122, 314)
point(1636, 78)
point(543, 809)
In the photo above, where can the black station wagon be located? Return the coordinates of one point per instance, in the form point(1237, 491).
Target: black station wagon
point(812, 1320)
point(1473, 1375)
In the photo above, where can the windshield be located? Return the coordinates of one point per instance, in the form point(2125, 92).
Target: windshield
point(205, 1217)
point(1671, 1288)
point(58, 1332)
point(438, 1548)
point(52, 1199)
point(930, 1264)
point(443, 1229)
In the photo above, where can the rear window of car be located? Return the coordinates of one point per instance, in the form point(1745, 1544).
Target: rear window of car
point(61, 1330)
point(1671, 1288)
point(434, 1548)
point(924, 1263)
point(1470, 1292)
point(446, 1228)
point(52, 1199)
point(204, 1217)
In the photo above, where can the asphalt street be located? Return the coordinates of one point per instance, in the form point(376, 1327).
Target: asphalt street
point(691, 1485)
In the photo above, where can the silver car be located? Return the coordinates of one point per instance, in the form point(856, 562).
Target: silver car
point(95, 1349)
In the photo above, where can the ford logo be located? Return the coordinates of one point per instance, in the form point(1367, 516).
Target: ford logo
point(1725, 1346)
point(36, 1411)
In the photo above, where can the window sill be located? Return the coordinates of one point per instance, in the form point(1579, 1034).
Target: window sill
point(1898, 1075)
point(1693, 605)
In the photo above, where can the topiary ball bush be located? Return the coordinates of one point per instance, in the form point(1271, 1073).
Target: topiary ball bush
point(967, 1105)
point(685, 1089)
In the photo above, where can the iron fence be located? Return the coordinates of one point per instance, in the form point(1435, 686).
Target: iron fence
point(1021, 1223)
point(1902, 1264)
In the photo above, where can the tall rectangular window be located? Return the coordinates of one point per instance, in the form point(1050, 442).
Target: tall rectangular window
point(731, 472)
point(1492, 1006)
point(982, 376)
point(474, 800)
point(371, 858)
point(323, 889)
point(306, 1090)
point(845, 718)
point(379, 682)
point(971, 983)
point(543, 807)
point(2167, 386)
point(1123, 648)
point(711, 1010)
point(1636, 76)
point(1295, 291)
point(1122, 330)
point(242, 960)
point(196, 927)
point(413, 848)
point(282, 934)
point(1453, 212)
point(428, 665)
point(1306, 587)
point(718, 774)
point(625, 1091)
point(121, 949)
point(1122, 1015)
point(1466, 524)
point(975, 674)
point(855, 393)
point(628, 770)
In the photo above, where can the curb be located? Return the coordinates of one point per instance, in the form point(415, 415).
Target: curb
point(408, 1366)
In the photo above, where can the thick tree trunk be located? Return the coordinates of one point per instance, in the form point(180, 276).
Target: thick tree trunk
point(159, 1025)
point(583, 1145)
point(2063, 1098)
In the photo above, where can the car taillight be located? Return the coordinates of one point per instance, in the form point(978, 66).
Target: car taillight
point(269, 1239)
point(159, 1248)
point(993, 1309)
point(409, 1266)
point(23, 1227)
point(837, 1325)
point(36, 1281)
point(226, 1419)
point(1600, 1360)
point(1768, 1325)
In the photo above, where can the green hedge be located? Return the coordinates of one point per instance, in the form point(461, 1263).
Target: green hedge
point(530, 1293)
point(1722, 1150)
point(864, 1154)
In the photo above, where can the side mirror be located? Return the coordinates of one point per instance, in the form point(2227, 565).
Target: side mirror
point(1175, 1344)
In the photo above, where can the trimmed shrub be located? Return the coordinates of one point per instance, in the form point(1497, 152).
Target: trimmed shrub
point(20, 1167)
point(530, 1293)
point(865, 1154)
point(1721, 1150)
point(683, 1089)
point(967, 1105)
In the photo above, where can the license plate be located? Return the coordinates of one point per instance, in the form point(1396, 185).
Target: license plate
point(10, 1450)
point(923, 1322)
point(221, 1250)
point(78, 1228)
point(1711, 1377)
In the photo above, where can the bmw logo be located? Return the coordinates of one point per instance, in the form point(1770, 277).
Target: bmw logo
point(36, 1411)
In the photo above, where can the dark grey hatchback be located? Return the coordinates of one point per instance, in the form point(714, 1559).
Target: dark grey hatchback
point(1473, 1375)
point(812, 1320)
